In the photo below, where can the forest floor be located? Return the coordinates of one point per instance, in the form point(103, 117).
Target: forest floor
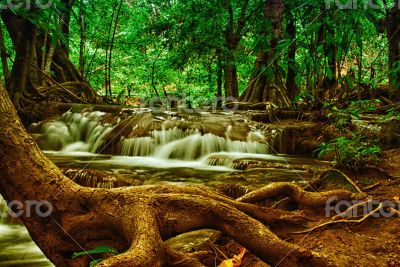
point(373, 242)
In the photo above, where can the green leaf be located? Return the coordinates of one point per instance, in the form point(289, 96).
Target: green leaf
point(95, 262)
point(97, 250)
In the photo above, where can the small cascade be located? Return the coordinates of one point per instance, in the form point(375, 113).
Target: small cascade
point(82, 132)
point(186, 145)
point(164, 142)
point(273, 137)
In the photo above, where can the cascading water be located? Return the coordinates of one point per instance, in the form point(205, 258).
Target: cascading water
point(81, 132)
point(85, 132)
point(186, 145)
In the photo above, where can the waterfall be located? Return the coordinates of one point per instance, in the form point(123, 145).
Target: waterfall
point(82, 132)
point(86, 132)
point(186, 145)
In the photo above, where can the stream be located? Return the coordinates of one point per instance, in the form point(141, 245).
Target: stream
point(156, 149)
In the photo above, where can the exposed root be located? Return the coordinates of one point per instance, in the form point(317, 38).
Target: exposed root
point(310, 199)
point(180, 259)
point(347, 178)
point(350, 181)
point(380, 206)
point(351, 210)
point(372, 186)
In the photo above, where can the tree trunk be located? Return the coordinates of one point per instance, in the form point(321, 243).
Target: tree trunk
point(82, 27)
point(23, 34)
point(264, 79)
point(231, 85)
point(291, 56)
point(330, 80)
point(233, 35)
point(134, 220)
point(393, 36)
point(27, 75)
point(65, 23)
point(112, 47)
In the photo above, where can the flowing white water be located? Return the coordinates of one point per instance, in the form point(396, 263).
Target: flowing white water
point(186, 145)
point(16, 246)
point(82, 132)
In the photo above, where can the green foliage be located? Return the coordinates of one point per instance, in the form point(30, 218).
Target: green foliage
point(343, 117)
point(180, 43)
point(391, 113)
point(356, 152)
point(97, 250)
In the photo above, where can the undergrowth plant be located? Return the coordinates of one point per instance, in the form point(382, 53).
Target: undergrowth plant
point(98, 250)
point(356, 152)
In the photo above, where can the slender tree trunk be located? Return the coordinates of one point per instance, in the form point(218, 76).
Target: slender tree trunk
point(330, 54)
point(233, 35)
point(393, 36)
point(219, 73)
point(112, 46)
point(231, 85)
point(49, 56)
point(153, 74)
point(82, 27)
point(291, 57)
point(106, 64)
point(65, 23)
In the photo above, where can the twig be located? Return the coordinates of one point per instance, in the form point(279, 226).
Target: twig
point(346, 212)
point(341, 221)
point(217, 249)
point(348, 180)
point(371, 186)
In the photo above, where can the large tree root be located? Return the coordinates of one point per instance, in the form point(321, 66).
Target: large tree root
point(310, 199)
point(145, 219)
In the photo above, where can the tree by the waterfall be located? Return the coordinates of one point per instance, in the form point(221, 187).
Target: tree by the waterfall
point(41, 56)
point(136, 220)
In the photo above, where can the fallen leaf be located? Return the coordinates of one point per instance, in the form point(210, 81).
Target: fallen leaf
point(236, 261)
